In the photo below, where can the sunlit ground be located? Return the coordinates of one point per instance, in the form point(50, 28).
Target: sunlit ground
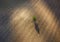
point(23, 27)
point(23, 24)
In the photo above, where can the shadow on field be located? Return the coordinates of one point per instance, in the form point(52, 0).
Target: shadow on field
point(5, 28)
point(55, 6)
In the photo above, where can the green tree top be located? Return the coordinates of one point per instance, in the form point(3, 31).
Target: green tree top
point(34, 18)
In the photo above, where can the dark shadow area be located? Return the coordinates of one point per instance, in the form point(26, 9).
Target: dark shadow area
point(55, 6)
point(11, 3)
point(36, 25)
point(5, 30)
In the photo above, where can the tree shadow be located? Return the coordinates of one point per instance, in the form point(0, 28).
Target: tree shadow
point(36, 26)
